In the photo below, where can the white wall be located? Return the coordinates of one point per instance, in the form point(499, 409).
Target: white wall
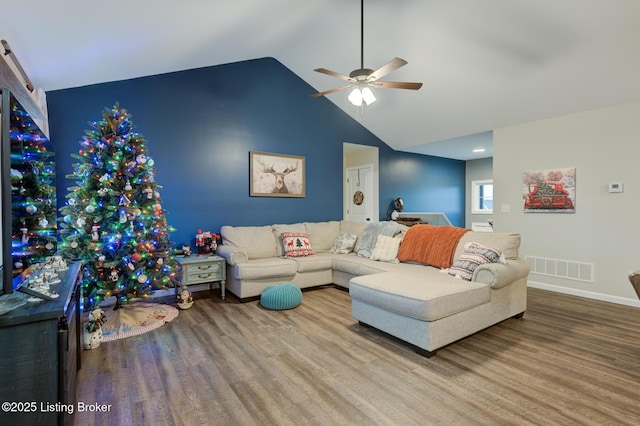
point(604, 146)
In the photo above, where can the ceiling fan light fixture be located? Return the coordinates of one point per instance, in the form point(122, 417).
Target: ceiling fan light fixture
point(355, 97)
point(368, 96)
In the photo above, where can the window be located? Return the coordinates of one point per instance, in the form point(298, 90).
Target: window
point(482, 197)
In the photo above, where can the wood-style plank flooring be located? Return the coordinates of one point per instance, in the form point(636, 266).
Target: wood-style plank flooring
point(568, 361)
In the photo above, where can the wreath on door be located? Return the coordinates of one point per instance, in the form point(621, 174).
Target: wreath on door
point(358, 198)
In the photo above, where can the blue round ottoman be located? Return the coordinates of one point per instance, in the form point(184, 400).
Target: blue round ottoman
point(280, 297)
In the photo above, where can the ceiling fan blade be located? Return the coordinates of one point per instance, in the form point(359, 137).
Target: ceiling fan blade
point(334, 74)
point(326, 92)
point(397, 85)
point(392, 65)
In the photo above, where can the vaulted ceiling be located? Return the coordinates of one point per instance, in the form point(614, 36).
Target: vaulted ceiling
point(484, 64)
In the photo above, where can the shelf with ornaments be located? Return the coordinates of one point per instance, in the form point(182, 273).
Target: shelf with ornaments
point(30, 234)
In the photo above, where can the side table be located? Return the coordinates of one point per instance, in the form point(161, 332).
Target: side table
point(203, 269)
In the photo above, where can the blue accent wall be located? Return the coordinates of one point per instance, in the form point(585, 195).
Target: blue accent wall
point(200, 125)
point(425, 184)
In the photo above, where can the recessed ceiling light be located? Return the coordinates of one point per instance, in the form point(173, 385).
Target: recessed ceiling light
point(479, 150)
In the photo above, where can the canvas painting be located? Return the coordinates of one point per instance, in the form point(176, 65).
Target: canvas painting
point(549, 191)
point(276, 175)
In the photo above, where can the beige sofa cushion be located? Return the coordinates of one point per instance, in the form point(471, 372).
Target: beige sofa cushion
point(322, 235)
point(317, 262)
point(265, 268)
point(428, 296)
point(505, 241)
point(353, 227)
point(257, 241)
point(355, 265)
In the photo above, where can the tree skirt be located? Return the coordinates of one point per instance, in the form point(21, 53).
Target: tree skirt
point(135, 318)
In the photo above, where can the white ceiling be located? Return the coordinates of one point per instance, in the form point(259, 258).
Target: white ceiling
point(484, 64)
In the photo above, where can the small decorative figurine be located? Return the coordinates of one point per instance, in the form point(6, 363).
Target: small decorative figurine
point(185, 300)
point(200, 242)
point(186, 250)
point(93, 329)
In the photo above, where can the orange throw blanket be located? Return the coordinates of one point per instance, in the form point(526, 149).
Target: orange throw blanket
point(431, 245)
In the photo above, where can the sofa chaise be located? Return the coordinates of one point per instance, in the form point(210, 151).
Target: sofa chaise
point(407, 293)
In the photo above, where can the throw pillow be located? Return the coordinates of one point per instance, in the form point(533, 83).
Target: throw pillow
point(474, 255)
point(344, 244)
point(367, 240)
point(386, 249)
point(296, 244)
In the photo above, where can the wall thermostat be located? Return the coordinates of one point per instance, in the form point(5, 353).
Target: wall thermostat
point(616, 187)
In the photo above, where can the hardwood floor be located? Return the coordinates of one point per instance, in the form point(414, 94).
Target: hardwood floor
point(568, 361)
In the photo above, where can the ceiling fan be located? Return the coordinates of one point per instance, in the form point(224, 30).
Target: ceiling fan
point(362, 79)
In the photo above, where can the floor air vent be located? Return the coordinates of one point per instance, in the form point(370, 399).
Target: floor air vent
point(579, 271)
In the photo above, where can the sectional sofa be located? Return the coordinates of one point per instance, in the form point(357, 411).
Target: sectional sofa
point(406, 292)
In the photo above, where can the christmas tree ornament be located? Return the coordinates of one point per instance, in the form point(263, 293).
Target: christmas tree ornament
point(128, 186)
point(90, 209)
point(31, 209)
point(25, 234)
point(141, 159)
point(43, 222)
point(142, 278)
point(95, 231)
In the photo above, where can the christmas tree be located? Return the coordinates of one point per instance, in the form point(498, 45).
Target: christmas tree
point(33, 192)
point(113, 220)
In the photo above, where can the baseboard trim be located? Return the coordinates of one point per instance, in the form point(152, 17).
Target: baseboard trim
point(587, 294)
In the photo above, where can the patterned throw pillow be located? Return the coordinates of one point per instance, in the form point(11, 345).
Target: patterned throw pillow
point(474, 254)
point(344, 244)
point(296, 244)
point(386, 249)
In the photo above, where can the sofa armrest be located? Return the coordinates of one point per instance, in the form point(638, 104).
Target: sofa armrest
point(232, 254)
point(498, 275)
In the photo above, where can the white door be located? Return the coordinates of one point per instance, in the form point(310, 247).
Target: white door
point(358, 194)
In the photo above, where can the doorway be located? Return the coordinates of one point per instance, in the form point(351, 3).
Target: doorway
point(361, 184)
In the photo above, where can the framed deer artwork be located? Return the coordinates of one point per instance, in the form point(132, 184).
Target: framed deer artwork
point(276, 175)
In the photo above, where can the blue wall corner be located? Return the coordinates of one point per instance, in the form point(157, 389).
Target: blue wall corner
point(200, 125)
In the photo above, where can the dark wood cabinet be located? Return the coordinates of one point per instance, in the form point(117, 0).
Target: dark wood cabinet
point(40, 353)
